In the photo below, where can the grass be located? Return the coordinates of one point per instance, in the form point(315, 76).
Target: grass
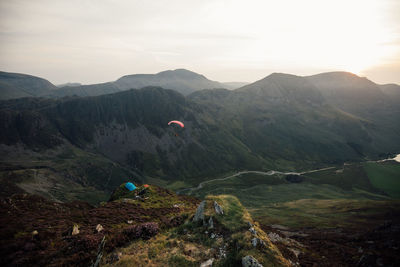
point(325, 198)
point(324, 213)
point(235, 216)
point(385, 176)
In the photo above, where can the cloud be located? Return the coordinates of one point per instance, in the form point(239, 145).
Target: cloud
point(130, 36)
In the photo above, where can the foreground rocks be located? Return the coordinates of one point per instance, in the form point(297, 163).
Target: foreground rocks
point(38, 232)
point(249, 261)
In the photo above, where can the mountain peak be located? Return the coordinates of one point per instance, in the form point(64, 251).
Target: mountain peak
point(182, 73)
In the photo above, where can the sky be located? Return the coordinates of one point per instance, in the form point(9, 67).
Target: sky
point(92, 41)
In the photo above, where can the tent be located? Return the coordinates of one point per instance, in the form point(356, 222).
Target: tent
point(130, 186)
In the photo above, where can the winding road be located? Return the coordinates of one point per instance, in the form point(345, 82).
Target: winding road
point(269, 173)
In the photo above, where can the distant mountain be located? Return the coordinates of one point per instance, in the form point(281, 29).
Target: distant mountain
point(349, 92)
point(392, 91)
point(283, 122)
point(234, 85)
point(16, 85)
point(68, 85)
point(181, 80)
point(284, 117)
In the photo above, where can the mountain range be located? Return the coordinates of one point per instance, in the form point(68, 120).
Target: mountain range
point(14, 85)
point(282, 122)
point(301, 155)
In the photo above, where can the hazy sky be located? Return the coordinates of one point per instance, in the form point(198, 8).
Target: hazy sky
point(92, 41)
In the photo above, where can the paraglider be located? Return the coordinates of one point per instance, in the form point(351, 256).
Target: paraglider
point(130, 186)
point(178, 123)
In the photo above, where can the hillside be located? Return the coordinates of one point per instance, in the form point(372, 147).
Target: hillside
point(181, 80)
point(157, 229)
point(16, 85)
point(290, 116)
point(281, 122)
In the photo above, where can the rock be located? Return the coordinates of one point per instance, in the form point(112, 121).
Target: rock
point(213, 235)
point(200, 212)
point(75, 229)
point(274, 237)
point(218, 208)
point(254, 241)
point(210, 223)
point(34, 234)
point(99, 228)
point(249, 261)
point(130, 221)
point(253, 231)
point(207, 263)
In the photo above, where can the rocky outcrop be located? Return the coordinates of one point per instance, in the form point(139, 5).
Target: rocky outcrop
point(218, 208)
point(207, 263)
point(249, 261)
point(200, 212)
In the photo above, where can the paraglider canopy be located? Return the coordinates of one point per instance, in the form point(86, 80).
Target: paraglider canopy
point(177, 122)
point(130, 186)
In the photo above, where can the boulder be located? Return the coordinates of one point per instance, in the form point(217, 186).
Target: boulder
point(200, 212)
point(249, 261)
point(99, 228)
point(218, 208)
point(207, 263)
point(210, 223)
point(254, 241)
point(253, 231)
point(75, 229)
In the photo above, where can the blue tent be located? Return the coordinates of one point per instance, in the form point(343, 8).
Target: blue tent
point(130, 186)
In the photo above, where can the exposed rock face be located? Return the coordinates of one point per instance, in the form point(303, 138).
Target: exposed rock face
point(249, 261)
point(199, 212)
point(218, 208)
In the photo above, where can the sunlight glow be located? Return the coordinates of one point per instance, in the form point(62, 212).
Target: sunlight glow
point(222, 39)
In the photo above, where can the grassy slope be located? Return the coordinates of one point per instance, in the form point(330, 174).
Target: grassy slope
point(66, 174)
point(190, 244)
point(385, 176)
point(325, 198)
